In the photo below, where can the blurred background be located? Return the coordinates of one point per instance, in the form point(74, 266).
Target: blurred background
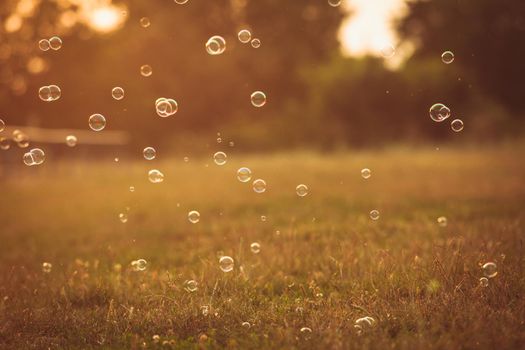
point(322, 67)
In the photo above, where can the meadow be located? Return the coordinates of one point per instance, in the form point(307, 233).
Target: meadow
point(323, 262)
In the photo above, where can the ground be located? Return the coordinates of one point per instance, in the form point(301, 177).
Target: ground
point(323, 262)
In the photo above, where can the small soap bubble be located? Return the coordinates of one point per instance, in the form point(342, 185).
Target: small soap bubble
point(139, 265)
point(246, 325)
point(220, 158)
point(146, 70)
point(155, 176)
point(374, 214)
point(149, 153)
point(97, 122)
point(439, 112)
point(244, 36)
point(55, 43)
point(259, 186)
point(46, 267)
point(490, 270)
point(38, 156)
point(334, 3)
point(388, 51)
point(49, 93)
point(190, 286)
point(442, 221)
point(447, 57)
point(484, 282)
point(117, 93)
point(123, 217)
point(219, 140)
point(181, 2)
point(256, 43)
point(186, 159)
point(301, 190)
point(244, 174)
point(457, 125)
point(226, 264)
point(28, 159)
point(255, 247)
point(44, 45)
point(145, 22)
point(132, 188)
point(216, 45)
point(5, 143)
point(258, 99)
point(2, 125)
point(263, 218)
point(366, 173)
point(306, 332)
point(71, 140)
point(194, 216)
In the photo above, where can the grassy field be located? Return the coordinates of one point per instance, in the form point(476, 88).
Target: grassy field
point(323, 262)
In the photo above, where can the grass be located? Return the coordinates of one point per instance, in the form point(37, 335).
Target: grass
point(323, 261)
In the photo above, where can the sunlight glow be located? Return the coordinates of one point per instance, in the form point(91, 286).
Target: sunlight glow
point(105, 19)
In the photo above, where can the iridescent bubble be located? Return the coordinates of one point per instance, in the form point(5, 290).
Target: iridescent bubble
point(216, 45)
point(484, 282)
point(166, 107)
point(388, 51)
point(46, 267)
point(97, 122)
point(5, 143)
point(457, 125)
point(220, 158)
point(442, 221)
point(258, 99)
point(2, 125)
point(38, 156)
point(123, 217)
point(194, 216)
point(439, 112)
point(145, 22)
point(71, 140)
point(146, 70)
point(374, 214)
point(255, 247)
point(256, 43)
point(259, 186)
point(190, 286)
point(244, 174)
point(117, 93)
point(149, 153)
point(55, 43)
point(490, 270)
point(366, 173)
point(244, 36)
point(226, 264)
point(447, 57)
point(301, 190)
point(334, 3)
point(44, 45)
point(155, 176)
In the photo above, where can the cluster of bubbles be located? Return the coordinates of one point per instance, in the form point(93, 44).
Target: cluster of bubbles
point(117, 93)
point(215, 45)
point(245, 37)
point(34, 157)
point(226, 263)
point(139, 265)
point(258, 99)
point(363, 324)
point(149, 153)
point(490, 270)
point(46, 267)
point(220, 158)
point(155, 176)
point(439, 112)
point(53, 43)
point(49, 93)
point(166, 107)
point(97, 122)
point(194, 216)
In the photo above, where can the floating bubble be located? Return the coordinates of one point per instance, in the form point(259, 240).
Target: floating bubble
point(146, 70)
point(186, 159)
point(194, 216)
point(181, 2)
point(190, 286)
point(255, 247)
point(44, 45)
point(117, 93)
point(166, 107)
point(139, 265)
point(256, 43)
point(306, 332)
point(71, 140)
point(219, 140)
point(484, 282)
point(55, 43)
point(244, 36)
point(49, 93)
point(149, 153)
point(123, 217)
point(231, 144)
point(28, 159)
point(97, 122)
point(205, 310)
point(145, 22)
point(246, 325)
point(447, 57)
point(21, 139)
point(439, 112)
point(220, 158)
point(38, 156)
point(388, 51)
point(244, 174)
point(442, 221)
point(364, 323)
point(263, 218)
point(216, 45)
point(5, 143)
point(258, 99)
point(259, 186)
point(226, 264)
point(2, 125)
point(374, 214)
point(156, 338)
point(457, 125)
point(46, 267)
point(301, 190)
point(490, 270)
point(334, 3)
point(366, 173)
point(155, 176)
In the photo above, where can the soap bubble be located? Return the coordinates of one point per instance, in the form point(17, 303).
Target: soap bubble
point(181, 2)
point(146, 70)
point(49, 93)
point(447, 57)
point(145, 22)
point(190, 285)
point(334, 3)
point(46, 267)
point(139, 265)
point(220, 158)
point(38, 156)
point(484, 282)
point(28, 159)
point(374, 214)
point(97, 122)
point(71, 140)
point(388, 51)
point(149, 153)
point(244, 174)
point(132, 189)
point(255, 247)
point(301, 190)
point(194, 216)
point(123, 217)
point(226, 263)
point(246, 325)
point(442, 221)
point(117, 93)
point(2, 125)
point(155, 176)
point(258, 99)
point(366, 173)
point(259, 186)
point(306, 332)
point(244, 36)
point(439, 112)
point(364, 323)
point(166, 107)
point(457, 125)
point(44, 45)
point(5, 143)
point(490, 270)
point(216, 45)
point(256, 43)
point(55, 43)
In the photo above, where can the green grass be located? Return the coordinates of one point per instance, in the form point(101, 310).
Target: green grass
point(322, 265)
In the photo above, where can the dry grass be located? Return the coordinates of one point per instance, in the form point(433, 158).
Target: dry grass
point(323, 262)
